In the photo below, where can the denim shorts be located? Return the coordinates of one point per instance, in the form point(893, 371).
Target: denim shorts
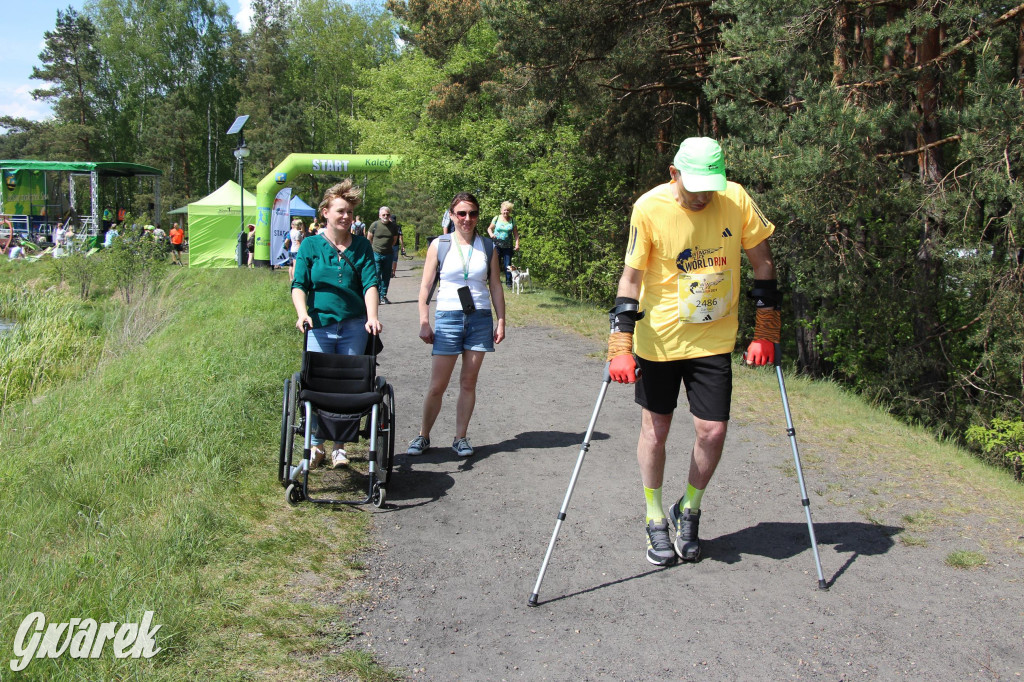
point(455, 331)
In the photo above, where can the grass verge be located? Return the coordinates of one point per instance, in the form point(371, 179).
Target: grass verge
point(149, 485)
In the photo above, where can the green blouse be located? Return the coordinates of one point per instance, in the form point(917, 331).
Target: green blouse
point(334, 288)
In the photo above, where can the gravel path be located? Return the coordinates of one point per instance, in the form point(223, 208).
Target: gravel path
point(458, 550)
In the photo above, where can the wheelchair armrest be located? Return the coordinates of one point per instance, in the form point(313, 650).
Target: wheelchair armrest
point(380, 383)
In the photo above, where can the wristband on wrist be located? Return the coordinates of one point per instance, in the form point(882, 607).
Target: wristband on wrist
point(768, 324)
point(619, 343)
point(623, 317)
point(765, 294)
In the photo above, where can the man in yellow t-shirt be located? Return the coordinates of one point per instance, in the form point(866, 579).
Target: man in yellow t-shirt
point(680, 292)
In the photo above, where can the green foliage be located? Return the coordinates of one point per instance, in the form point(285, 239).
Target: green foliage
point(131, 260)
point(1004, 440)
point(79, 271)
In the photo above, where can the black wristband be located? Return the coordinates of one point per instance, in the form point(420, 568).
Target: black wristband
point(765, 294)
point(623, 317)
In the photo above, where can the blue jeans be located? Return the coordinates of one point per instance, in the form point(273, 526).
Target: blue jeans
point(383, 263)
point(347, 337)
point(505, 254)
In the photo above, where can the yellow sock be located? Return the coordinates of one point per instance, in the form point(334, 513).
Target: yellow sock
point(691, 500)
point(654, 510)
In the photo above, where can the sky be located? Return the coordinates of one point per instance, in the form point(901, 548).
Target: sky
point(26, 22)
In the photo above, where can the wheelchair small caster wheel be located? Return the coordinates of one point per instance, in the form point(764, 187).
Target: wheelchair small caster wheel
point(379, 495)
point(294, 494)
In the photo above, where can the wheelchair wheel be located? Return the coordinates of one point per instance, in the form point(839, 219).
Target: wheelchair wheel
point(285, 423)
point(379, 495)
point(386, 431)
point(294, 494)
point(291, 428)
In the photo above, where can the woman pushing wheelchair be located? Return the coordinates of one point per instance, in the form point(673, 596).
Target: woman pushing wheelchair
point(335, 289)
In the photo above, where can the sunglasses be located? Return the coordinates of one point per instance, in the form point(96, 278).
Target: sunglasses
point(467, 214)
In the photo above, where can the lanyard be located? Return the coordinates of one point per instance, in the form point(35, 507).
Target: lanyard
point(465, 261)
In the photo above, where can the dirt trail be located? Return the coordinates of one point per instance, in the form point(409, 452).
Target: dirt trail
point(457, 554)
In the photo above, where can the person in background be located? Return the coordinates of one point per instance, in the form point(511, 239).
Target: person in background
point(335, 289)
point(177, 237)
point(398, 248)
point(463, 326)
point(250, 244)
point(110, 236)
point(506, 237)
point(358, 227)
point(383, 236)
point(295, 237)
point(16, 250)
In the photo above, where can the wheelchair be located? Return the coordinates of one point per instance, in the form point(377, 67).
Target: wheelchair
point(350, 402)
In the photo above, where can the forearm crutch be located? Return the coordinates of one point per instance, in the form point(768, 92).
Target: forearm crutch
point(572, 484)
point(822, 585)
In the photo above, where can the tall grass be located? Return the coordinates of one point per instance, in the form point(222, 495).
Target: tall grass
point(54, 338)
point(150, 485)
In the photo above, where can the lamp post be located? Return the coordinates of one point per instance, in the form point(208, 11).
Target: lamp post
point(241, 152)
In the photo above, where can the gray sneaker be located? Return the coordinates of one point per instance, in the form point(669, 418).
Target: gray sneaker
point(462, 447)
point(659, 544)
point(418, 446)
point(687, 524)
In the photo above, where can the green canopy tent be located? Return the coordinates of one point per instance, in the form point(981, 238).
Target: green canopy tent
point(213, 225)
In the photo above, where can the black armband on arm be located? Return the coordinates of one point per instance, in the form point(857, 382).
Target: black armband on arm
point(765, 294)
point(623, 317)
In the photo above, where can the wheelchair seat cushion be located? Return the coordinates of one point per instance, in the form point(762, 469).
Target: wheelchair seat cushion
point(347, 403)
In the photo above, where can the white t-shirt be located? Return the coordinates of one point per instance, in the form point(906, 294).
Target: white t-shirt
point(295, 235)
point(452, 277)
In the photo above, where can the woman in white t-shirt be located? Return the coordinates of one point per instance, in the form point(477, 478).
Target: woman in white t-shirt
point(469, 286)
point(295, 237)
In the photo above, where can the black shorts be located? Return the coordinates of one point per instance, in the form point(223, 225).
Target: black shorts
point(178, 247)
point(708, 384)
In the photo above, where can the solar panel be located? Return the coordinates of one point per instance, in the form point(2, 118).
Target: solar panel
point(236, 127)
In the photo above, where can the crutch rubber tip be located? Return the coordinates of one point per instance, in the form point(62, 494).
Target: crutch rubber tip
point(822, 585)
point(533, 600)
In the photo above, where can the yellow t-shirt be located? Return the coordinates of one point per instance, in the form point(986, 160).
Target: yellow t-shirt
point(691, 264)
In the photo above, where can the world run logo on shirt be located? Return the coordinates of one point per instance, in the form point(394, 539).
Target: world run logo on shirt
point(697, 258)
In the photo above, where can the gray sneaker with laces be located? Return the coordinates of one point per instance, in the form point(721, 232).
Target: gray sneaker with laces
point(659, 544)
point(418, 446)
point(687, 523)
point(462, 447)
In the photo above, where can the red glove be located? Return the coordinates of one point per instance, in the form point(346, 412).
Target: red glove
point(622, 368)
point(761, 352)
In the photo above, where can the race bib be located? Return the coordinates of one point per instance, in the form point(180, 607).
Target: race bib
point(705, 297)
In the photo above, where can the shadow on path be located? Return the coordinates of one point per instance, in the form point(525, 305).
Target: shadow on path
point(782, 540)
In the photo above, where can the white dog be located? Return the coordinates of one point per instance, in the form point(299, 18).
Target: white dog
point(520, 278)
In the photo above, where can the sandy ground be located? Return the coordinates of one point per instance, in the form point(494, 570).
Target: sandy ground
point(458, 549)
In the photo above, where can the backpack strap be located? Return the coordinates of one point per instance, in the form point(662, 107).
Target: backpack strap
point(444, 245)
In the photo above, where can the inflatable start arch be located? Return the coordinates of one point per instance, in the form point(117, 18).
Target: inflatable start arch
point(295, 164)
